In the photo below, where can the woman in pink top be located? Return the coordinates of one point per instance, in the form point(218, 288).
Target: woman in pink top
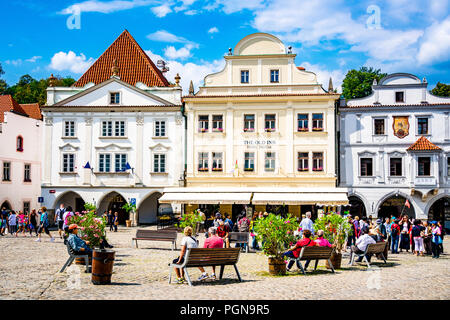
point(21, 223)
point(321, 241)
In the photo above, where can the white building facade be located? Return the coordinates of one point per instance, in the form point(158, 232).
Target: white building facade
point(395, 150)
point(117, 141)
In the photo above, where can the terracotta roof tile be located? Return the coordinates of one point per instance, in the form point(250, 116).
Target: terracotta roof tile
point(133, 63)
point(423, 144)
point(7, 103)
point(32, 110)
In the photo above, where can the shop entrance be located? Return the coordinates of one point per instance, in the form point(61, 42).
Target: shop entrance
point(395, 206)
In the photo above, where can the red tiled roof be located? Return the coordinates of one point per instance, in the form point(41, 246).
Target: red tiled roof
point(133, 63)
point(423, 144)
point(301, 68)
point(32, 110)
point(7, 103)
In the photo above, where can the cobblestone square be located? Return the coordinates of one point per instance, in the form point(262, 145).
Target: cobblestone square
point(30, 270)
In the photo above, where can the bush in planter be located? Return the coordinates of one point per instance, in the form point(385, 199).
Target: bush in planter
point(335, 227)
point(192, 220)
point(91, 227)
point(276, 234)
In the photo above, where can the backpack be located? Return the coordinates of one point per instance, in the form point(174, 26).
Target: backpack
point(243, 225)
point(394, 230)
point(61, 213)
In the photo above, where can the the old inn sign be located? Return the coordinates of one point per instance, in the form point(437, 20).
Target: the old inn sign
point(263, 143)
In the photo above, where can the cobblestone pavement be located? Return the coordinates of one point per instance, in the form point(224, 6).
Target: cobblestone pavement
point(30, 270)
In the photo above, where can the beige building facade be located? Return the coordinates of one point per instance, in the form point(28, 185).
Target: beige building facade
point(261, 126)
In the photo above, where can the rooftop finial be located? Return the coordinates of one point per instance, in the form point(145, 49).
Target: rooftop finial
point(374, 81)
point(230, 51)
point(330, 86)
point(177, 80)
point(191, 89)
point(424, 80)
point(115, 69)
point(51, 81)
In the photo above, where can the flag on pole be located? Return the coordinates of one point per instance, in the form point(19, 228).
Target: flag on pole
point(407, 204)
point(87, 165)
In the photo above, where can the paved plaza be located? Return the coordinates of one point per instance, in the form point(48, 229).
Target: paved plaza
point(30, 270)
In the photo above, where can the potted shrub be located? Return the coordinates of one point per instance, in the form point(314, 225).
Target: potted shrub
point(277, 235)
point(336, 229)
point(192, 220)
point(129, 208)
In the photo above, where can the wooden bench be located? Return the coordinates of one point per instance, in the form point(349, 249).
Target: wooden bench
point(314, 253)
point(206, 257)
point(156, 235)
point(239, 237)
point(73, 256)
point(373, 249)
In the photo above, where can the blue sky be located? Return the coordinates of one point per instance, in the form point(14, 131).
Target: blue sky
point(328, 36)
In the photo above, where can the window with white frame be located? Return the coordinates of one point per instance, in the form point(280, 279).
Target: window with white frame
point(217, 161)
point(422, 125)
point(69, 128)
point(6, 171)
point(269, 161)
point(274, 76)
point(120, 161)
point(114, 98)
point(317, 161)
point(159, 163)
point(68, 163)
point(203, 161)
point(113, 128)
point(317, 121)
point(104, 162)
point(217, 123)
point(27, 172)
point(249, 122)
point(378, 127)
point(160, 128)
point(203, 123)
point(395, 167)
point(303, 161)
point(399, 96)
point(302, 120)
point(245, 76)
point(249, 161)
point(366, 167)
point(269, 120)
point(424, 166)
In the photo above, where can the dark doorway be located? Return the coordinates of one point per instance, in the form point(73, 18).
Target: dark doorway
point(79, 205)
point(6, 205)
point(440, 211)
point(356, 207)
point(114, 202)
point(209, 209)
point(395, 206)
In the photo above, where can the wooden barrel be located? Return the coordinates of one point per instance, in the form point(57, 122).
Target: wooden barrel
point(336, 260)
point(277, 266)
point(102, 266)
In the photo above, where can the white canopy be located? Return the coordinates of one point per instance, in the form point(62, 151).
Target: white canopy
point(310, 198)
point(206, 198)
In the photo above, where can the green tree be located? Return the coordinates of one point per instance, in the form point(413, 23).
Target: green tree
point(441, 90)
point(3, 84)
point(358, 83)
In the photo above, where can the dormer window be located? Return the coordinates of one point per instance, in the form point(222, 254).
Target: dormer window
point(399, 96)
point(274, 76)
point(114, 98)
point(19, 144)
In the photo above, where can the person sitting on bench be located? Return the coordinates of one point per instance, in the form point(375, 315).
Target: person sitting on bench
point(78, 245)
point(361, 244)
point(294, 251)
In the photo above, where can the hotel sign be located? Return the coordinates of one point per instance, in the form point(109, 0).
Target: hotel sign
point(263, 143)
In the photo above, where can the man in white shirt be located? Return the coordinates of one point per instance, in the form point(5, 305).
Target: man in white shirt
point(307, 224)
point(361, 243)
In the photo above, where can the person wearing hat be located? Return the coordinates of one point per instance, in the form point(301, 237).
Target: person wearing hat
point(78, 245)
point(361, 244)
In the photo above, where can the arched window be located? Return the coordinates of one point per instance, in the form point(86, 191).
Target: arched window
point(19, 143)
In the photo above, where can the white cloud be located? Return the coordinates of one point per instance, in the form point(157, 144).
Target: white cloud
point(213, 30)
point(62, 61)
point(182, 53)
point(232, 6)
point(105, 7)
point(162, 10)
point(191, 12)
point(164, 36)
point(16, 62)
point(33, 59)
point(189, 71)
point(436, 44)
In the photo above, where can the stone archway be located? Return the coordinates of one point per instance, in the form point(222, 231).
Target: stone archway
point(356, 207)
point(394, 205)
point(6, 205)
point(149, 208)
point(113, 201)
point(70, 199)
point(440, 211)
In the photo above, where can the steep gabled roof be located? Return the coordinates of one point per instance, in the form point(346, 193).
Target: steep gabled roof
point(33, 110)
point(134, 65)
point(7, 103)
point(423, 144)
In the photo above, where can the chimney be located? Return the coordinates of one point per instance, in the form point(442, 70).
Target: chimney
point(115, 69)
